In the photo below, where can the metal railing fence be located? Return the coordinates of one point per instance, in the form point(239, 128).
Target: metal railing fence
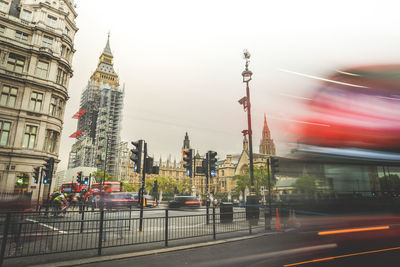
point(39, 233)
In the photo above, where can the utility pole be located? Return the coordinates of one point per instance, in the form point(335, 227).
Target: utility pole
point(269, 188)
point(207, 192)
point(141, 194)
point(40, 185)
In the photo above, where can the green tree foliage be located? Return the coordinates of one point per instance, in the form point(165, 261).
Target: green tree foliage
point(98, 175)
point(306, 185)
point(127, 187)
point(166, 184)
point(184, 186)
point(260, 179)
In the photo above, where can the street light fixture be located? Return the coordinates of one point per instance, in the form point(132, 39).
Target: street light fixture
point(252, 210)
point(245, 101)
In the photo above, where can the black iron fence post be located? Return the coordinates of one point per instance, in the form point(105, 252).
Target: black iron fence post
point(250, 230)
point(214, 232)
point(83, 218)
point(166, 227)
point(101, 232)
point(130, 216)
point(4, 241)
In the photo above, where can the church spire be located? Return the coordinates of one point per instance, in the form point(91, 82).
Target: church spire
point(267, 146)
point(266, 134)
point(107, 49)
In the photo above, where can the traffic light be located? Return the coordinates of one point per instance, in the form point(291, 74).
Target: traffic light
point(45, 180)
point(212, 160)
point(48, 170)
point(149, 165)
point(86, 182)
point(274, 166)
point(36, 174)
point(136, 155)
point(79, 177)
point(187, 158)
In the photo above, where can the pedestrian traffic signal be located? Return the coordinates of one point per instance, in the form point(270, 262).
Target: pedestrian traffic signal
point(45, 180)
point(188, 159)
point(79, 177)
point(212, 160)
point(136, 155)
point(274, 165)
point(36, 175)
point(48, 170)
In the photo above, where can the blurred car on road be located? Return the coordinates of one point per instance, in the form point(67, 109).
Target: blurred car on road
point(150, 201)
point(184, 202)
point(121, 200)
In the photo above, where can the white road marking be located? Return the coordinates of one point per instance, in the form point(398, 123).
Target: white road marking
point(48, 226)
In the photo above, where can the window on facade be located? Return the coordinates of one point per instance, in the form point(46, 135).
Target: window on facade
point(51, 21)
point(61, 77)
point(2, 29)
point(8, 96)
point(47, 41)
point(4, 6)
point(53, 106)
point(60, 108)
point(30, 136)
point(21, 36)
point(15, 63)
point(56, 107)
point(36, 101)
point(42, 69)
point(63, 50)
point(26, 15)
point(4, 132)
point(50, 141)
point(66, 31)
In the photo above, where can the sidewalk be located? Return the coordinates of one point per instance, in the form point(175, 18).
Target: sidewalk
point(149, 252)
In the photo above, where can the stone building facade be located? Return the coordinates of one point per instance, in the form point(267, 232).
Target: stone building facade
point(36, 50)
point(238, 163)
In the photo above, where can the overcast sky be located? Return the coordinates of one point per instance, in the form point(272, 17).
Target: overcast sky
point(181, 63)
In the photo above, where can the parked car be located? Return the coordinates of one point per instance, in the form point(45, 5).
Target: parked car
point(120, 200)
point(184, 202)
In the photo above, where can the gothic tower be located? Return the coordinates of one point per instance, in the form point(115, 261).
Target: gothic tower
point(267, 146)
point(186, 145)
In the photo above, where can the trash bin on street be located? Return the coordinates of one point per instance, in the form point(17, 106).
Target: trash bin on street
point(226, 212)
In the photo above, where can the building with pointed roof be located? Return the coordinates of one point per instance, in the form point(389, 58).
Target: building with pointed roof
point(267, 146)
point(99, 119)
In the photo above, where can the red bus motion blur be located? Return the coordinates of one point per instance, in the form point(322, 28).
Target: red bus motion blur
point(108, 187)
point(72, 188)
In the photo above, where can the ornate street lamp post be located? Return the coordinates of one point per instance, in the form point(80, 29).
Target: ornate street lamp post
point(252, 209)
point(246, 102)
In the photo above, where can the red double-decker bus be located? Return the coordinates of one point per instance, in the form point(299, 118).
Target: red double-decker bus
point(108, 187)
point(72, 188)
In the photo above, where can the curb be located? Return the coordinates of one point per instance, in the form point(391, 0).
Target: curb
point(149, 252)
